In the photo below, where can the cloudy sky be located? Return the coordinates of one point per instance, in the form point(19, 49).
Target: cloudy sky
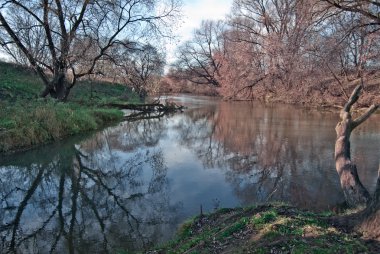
point(197, 10)
point(194, 12)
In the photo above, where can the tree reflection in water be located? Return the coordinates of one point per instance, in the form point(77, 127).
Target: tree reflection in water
point(272, 153)
point(87, 198)
point(129, 186)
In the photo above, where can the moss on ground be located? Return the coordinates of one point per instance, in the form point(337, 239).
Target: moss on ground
point(265, 229)
point(27, 120)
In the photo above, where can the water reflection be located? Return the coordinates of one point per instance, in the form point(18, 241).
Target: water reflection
point(129, 186)
point(85, 198)
point(267, 154)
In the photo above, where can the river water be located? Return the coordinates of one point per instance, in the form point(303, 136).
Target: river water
point(129, 186)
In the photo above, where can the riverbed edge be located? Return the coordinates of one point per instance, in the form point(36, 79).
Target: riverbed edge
point(44, 124)
point(271, 228)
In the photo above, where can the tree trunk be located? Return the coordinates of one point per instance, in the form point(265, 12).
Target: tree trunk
point(354, 191)
point(58, 88)
point(61, 88)
point(374, 205)
point(366, 221)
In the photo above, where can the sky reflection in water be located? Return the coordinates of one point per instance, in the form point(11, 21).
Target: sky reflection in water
point(129, 186)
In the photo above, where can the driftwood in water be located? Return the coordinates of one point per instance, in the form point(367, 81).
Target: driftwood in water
point(144, 115)
point(148, 111)
point(150, 107)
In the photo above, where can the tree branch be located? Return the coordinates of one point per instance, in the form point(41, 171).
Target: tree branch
point(365, 116)
point(355, 8)
point(353, 98)
point(22, 47)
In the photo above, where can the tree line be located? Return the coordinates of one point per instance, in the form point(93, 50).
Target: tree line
point(310, 49)
point(269, 48)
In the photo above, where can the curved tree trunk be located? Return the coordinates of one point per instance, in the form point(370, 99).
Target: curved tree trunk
point(354, 191)
point(366, 221)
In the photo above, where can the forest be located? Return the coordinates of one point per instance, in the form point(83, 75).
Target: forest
point(311, 52)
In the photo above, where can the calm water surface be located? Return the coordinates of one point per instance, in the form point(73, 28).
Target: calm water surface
point(128, 187)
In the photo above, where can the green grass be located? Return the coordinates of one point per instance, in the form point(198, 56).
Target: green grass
point(17, 82)
point(265, 229)
point(266, 217)
point(101, 93)
point(27, 120)
point(235, 227)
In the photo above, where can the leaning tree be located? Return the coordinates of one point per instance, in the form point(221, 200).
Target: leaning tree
point(355, 193)
point(63, 40)
point(368, 219)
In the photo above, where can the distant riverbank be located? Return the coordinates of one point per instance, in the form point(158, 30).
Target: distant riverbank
point(325, 93)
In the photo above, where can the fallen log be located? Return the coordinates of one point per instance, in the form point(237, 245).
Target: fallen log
point(144, 116)
point(153, 110)
point(150, 107)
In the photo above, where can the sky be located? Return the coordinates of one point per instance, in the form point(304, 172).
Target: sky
point(194, 11)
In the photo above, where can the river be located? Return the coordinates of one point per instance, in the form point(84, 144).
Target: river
point(129, 186)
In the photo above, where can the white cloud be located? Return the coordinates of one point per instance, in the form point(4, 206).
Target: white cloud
point(194, 12)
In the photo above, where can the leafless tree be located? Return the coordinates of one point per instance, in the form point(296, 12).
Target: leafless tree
point(367, 8)
point(286, 49)
point(139, 66)
point(280, 31)
point(355, 192)
point(63, 40)
point(199, 58)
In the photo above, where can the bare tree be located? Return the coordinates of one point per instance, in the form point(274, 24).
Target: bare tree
point(63, 40)
point(357, 41)
point(286, 50)
point(281, 32)
point(366, 8)
point(199, 58)
point(140, 67)
point(242, 68)
point(354, 191)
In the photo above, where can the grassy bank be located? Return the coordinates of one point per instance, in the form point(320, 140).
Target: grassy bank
point(265, 229)
point(26, 120)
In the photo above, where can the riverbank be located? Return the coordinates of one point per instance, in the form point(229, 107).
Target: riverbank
point(266, 229)
point(325, 93)
point(27, 120)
